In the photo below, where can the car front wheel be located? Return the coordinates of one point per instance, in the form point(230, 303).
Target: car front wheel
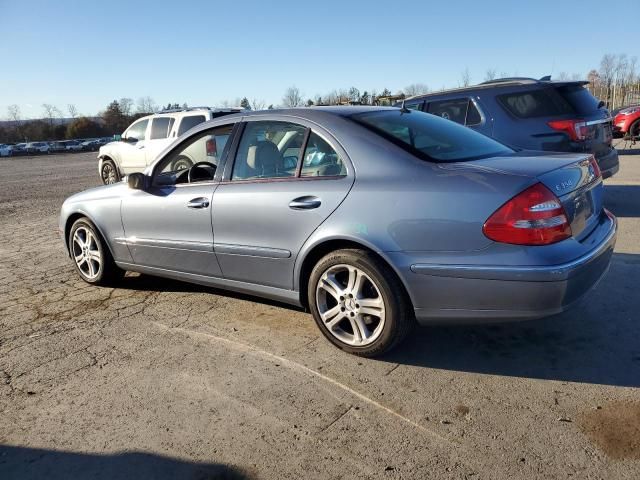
point(358, 302)
point(109, 172)
point(91, 256)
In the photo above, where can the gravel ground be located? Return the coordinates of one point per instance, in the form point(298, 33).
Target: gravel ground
point(160, 379)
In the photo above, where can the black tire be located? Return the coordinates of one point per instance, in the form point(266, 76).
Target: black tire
point(181, 163)
point(109, 172)
point(107, 272)
point(634, 129)
point(399, 316)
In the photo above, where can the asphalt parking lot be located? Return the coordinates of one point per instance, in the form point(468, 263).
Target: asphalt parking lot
point(160, 379)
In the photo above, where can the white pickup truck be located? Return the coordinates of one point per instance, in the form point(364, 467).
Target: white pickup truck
point(145, 138)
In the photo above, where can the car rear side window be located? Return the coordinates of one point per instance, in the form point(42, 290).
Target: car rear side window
point(429, 137)
point(321, 160)
point(414, 105)
point(189, 122)
point(544, 102)
point(268, 149)
point(460, 110)
point(160, 127)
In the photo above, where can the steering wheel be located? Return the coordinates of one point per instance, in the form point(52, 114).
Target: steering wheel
point(199, 165)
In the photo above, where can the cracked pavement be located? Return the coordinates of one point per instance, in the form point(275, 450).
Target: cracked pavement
point(162, 379)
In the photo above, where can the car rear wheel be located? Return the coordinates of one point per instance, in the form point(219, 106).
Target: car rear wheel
point(358, 302)
point(109, 172)
point(181, 163)
point(91, 256)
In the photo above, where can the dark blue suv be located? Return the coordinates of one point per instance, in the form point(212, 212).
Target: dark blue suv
point(530, 114)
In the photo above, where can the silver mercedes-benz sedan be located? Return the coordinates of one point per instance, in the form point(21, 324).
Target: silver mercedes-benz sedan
point(371, 218)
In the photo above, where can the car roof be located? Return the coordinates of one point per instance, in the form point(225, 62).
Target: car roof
point(507, 82)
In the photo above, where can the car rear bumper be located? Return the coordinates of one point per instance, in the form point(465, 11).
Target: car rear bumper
point(488, 293)
point(609, 163)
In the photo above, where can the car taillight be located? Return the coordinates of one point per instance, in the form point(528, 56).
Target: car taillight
point(211, 147)
point(576, 129)
point(533, 217)
point(595, 168)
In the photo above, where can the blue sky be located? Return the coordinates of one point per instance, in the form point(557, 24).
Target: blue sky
point(203, 52)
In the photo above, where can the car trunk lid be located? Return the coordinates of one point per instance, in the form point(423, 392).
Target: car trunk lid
point(571, 177)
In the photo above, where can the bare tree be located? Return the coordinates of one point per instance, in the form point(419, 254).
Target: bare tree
point(13, 112)
point(415, 89)
point(146, 105)
point(563, 76)
point(490, 74)
point(49, 113)
point(465, 77)
point(292, 97)
point(607, 71)
point(258, 104)
point(73, 111)
point(126, 106)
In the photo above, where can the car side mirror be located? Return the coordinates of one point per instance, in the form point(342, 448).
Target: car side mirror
point(137, 181)
point(130, 139)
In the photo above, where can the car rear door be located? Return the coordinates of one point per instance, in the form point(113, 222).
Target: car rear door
point(287, 177)
point(158, 137)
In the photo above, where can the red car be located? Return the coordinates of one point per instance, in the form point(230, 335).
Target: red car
point(627, 121)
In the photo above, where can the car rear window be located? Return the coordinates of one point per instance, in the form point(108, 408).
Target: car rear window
point(544, 102)
point(430, 137)
point(579, 98)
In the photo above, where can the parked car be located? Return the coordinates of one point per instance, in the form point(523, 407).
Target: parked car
point(529, 114)
point(37, 147)
point(370, 217)
point(19, 149)
point(6, 150)
point(627, 121)
point(57, 146)
point(90, 145)
point(147, 137)
point(72, 146)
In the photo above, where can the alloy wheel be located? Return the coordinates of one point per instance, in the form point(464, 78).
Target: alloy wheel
point(86, 253)
point(109, 174)
point(350, 305)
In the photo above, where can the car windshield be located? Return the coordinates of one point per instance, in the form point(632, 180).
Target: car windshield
point(430, 137)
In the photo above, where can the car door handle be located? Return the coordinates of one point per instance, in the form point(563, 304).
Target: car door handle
point(199, 202)
point(305, 203)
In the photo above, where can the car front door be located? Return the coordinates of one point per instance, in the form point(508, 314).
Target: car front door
point(168, 224)
point(133, 147)
point(285, 180)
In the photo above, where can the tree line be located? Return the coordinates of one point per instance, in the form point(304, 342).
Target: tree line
point(616, 82)
point(54, 125)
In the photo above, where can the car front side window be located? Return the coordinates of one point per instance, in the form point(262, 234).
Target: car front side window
point(195, 160)
point(137, 131)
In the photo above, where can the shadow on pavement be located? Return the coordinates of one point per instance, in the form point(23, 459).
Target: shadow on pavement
point(31, 463)
point(595, 342)
point(623, 200)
